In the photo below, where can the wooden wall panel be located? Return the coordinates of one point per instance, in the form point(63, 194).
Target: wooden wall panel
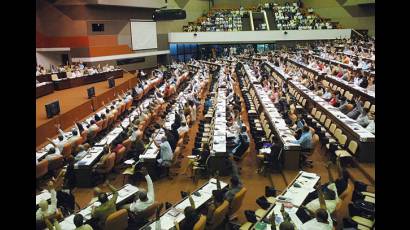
point(109, 50)
point(102, 40)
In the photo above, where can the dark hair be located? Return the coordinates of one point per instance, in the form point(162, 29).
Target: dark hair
point(243, 129)
point(321, 215)
point(60, 137)
point(107, 110)
point(78, 220)
point(96, 117)
point(103, 116)
point(218, 195)
point(112, 107)
point(235, 181)
point(286, 226)
point(329, 194)
point(80, 127)
point(366, 110)
point(190, 213)
point(52, 150)
point(75, 132)
point(102, 197)
point(306, 128)
point(92, 122)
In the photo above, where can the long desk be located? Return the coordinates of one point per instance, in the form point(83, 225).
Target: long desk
point(350, 127)
point(66, 83)
point(44, 88)
point(277, 124)
point(149, 156)
point(294, 195)
point(125, 194)
point(47, 77)
point(343, 64)
point(176, 212)
point(367, 95)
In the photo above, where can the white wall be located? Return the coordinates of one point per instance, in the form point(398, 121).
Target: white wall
point(256, 36)
point(47, 58)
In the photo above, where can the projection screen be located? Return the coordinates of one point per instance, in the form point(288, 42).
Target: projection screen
point(143, 35)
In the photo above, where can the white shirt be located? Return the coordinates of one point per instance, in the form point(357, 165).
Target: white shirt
point(182, 129)
point(52, 208)
point(138, 205)
point(314, 205)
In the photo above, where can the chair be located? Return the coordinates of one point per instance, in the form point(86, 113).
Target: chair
point(200, 224)
point(346, 155)
point(41, 168)
point(117, 220)
point(66, 153)
point(100, 123)
point(119, 157)
point(373, 109)
point(366, 105)
point(55, 163)
point(108, 166)
point(220, 215)
point(141, 218)
point(127, 144)
point(237, 201)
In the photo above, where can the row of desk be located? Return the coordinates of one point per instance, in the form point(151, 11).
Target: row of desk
point(66, 83)
point(367, 95)
point(350, 127)
point(44, 88)
point(41, 153)
point(283, 133)
point(351, 67)
point(292, 194)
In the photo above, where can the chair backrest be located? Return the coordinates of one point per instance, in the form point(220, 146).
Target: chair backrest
point(342, 139)
point(66, 153)
point(201, 223)
point(322, 118)
point(236, 202)
point(127, 144)
point(117, 220)
point(304, 102)
point(109, 163)
point(317, 115)
point(220, 214)
point(366, 104)
point(373, 109)
point(148, 212)
point(84, 135)
point(313, 112)
point(327, 123)
point(120, 155)
point(41, 168)
point(352, 147)
point(129, 104)
point(337, 133)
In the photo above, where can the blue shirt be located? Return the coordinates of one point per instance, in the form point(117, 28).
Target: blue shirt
point(305, 140)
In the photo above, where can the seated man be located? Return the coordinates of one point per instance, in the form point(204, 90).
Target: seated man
point(144, 198)
point(191, 217)
point(107, 207)
point(244, 143)
point(305, 140)
point(79, 223)
point(236, 183)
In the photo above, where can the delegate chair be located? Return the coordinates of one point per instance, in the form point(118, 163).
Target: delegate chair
point(236, 203)
point(117, 220)
point(201, 223)
point(220, 215)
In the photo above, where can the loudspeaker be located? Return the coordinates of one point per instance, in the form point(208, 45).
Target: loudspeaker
point(168, 14)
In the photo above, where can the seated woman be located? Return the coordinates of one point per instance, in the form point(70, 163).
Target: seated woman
point(198, 160)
